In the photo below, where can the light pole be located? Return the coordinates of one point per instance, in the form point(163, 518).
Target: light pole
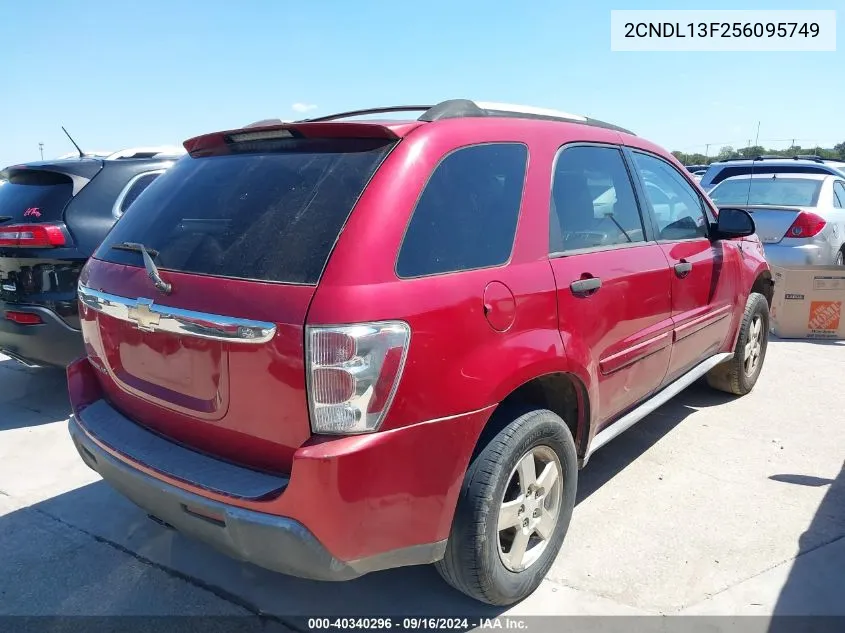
point(41, 149)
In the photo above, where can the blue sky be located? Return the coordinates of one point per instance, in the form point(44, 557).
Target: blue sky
point(120, 74)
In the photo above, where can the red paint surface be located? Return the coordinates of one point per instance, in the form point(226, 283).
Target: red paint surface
point(368, 494)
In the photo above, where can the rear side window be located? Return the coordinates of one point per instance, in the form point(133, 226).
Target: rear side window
point(839, 194)
point(466, 216)
point(253, 213)
point(34, 196)
point(134, 189)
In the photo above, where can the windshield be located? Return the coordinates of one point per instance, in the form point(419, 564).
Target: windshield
point(261, 215)
point(793, 192)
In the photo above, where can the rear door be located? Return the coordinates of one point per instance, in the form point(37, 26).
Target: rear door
point(242, 231)
point(703, 274)
point(613, 281)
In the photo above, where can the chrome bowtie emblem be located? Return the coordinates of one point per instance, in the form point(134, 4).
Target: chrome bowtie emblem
point(142, 315)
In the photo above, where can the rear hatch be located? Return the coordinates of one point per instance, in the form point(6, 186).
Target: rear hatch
point(241, 230)
point(37, 254)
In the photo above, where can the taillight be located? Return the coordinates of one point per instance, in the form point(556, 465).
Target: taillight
point(807, 224)
point(32, 235)
point(23, 318)
point(353, 372)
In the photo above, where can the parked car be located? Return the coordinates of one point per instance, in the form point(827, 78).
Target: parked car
point(800, 218)
point(53, 214)
point(336, 346)
point(803, 164)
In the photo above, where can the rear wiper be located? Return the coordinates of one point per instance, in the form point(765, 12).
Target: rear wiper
point(152, 272)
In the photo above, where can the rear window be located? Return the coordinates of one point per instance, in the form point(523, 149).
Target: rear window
point(797, 192)
point(34, 196)
point(260, 215)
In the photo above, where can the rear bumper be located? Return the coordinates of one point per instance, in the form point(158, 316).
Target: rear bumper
point(788, 256)
point(351, 505)
point(277, 543)
point(50, 343)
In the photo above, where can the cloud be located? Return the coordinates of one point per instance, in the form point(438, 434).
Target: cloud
point(303, 107)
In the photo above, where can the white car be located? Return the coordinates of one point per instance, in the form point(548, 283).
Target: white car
point(800, 218)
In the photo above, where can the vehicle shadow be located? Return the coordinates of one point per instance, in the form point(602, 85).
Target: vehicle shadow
point(31, 397)
point(96, 512)
point(813, 341)
point(615, 456)
point(815, 583)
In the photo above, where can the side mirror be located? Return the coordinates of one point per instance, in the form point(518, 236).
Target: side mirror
point(733, 223)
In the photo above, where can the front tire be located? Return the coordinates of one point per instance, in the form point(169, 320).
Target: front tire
point(739, 374)
point(514, 510)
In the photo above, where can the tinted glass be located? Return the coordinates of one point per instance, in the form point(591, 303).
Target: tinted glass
point(799, 192)
point(467, 214)
point(263, 215)
point(839, 194)
point(593, 202)
point(729, 172)
point(678, 208)
point(135, 190)
point(35, 196)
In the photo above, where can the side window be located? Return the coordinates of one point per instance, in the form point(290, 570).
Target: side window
point(592, 202)
point(839, 194)
point(134, 189)
point(467, 214)
point(677, 207)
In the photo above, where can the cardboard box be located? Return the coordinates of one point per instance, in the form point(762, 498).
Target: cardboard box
point(808, 302)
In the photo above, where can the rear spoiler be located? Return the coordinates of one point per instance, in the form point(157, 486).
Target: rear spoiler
point(207, 143)
point(751, 208)
point(79, 172)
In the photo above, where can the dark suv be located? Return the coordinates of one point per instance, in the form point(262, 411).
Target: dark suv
point(52, 216)
point(334, 346)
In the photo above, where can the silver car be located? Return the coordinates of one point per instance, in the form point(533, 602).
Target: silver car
point(800, 218)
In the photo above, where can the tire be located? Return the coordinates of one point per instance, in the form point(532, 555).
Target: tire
point(840, 257)
point(739, 375)
point(473, 563)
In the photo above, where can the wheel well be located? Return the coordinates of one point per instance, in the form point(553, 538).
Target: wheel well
point(765, 286)
point(560, 393)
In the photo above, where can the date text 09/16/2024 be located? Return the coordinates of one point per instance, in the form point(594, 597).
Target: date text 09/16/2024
point(416, 623)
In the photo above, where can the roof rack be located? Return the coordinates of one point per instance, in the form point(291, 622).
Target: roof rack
point(811, 157)
point(463, 108)
point(148, 152)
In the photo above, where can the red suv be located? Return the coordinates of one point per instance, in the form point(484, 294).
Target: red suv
point(337, 345)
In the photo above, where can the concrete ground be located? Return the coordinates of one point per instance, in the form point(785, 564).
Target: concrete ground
point(712, 505)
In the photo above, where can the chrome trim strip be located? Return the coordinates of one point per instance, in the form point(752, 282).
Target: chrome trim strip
point(149, 317)
point(649, 406)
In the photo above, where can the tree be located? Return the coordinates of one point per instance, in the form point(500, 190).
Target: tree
point(839, 149)
point(726, 152)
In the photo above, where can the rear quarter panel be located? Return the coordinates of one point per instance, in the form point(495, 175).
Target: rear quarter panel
point(456, 362)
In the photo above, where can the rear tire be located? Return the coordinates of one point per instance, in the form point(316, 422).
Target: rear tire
point(739, 374)
point(501, 567)
point(840, 257)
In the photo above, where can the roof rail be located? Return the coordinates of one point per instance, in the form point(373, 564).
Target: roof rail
point(147, 152)
point(812, 157)
point(462, 108)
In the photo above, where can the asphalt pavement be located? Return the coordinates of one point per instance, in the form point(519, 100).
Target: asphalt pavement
point(712, 505)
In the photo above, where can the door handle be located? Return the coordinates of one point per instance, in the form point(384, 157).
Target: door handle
point(682, 269)
point(584, 287)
